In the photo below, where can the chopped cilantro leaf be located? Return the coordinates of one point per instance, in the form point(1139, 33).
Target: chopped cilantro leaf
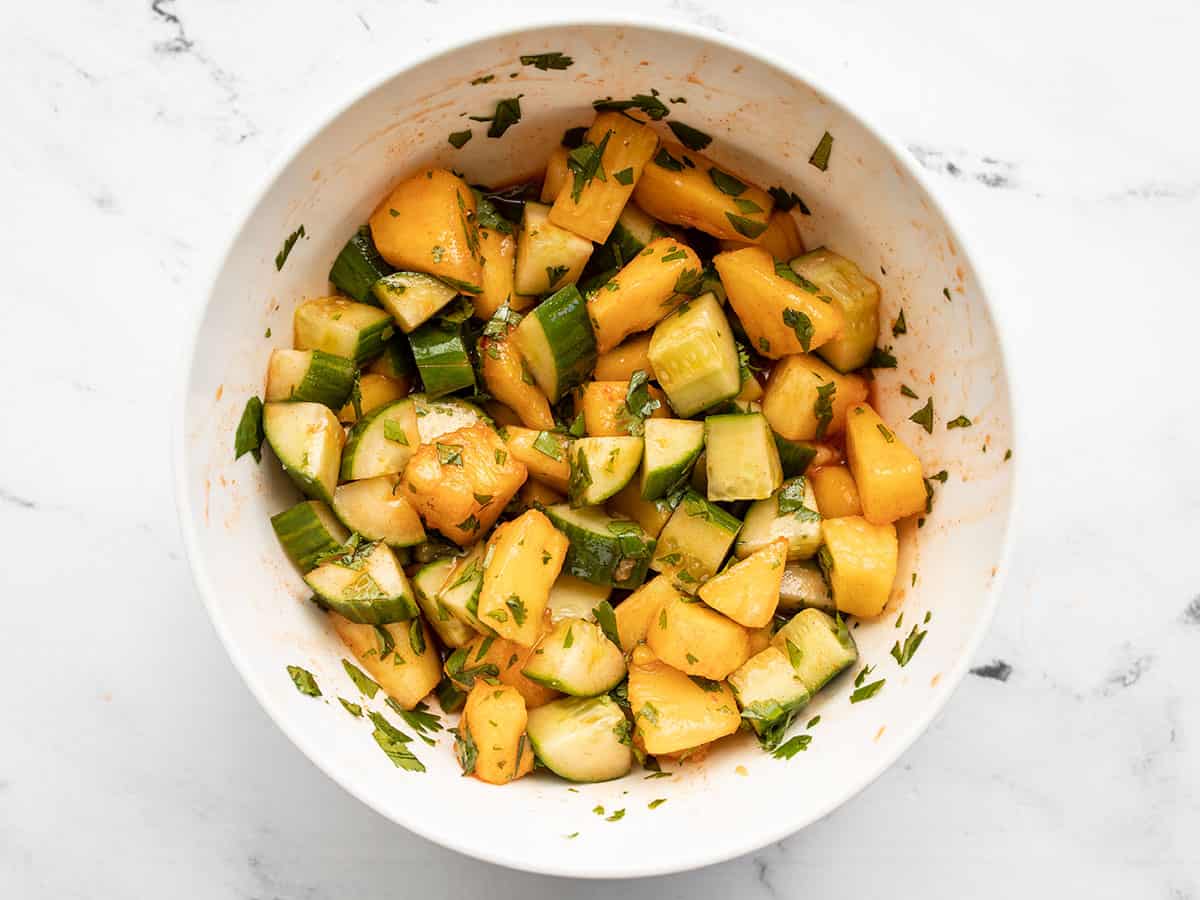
point(820, 156)
point(305, 681)
point(692, 138)
point(249, 435)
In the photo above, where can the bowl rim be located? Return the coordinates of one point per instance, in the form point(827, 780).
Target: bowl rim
point(737, 845)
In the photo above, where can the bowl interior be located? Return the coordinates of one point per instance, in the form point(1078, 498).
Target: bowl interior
point(869, 205)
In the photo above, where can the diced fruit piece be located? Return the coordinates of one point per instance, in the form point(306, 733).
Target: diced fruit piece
point(672, 447)
point(546, 454)
point(426, 584)
point(837, 494)
point(556, 341)
point(887, 473)
point(769, 693)
point(760, 638)
point(426, 224)
point(806, 400)
point(307, 439)
point(652, 515)
point(781, 317)
point(606, 409)
point(671, 712)
point(459, 592)
point(818, 647)
point(308, 531)
point(354, 331)
point(859, 559)
point(781, 239)
point(602, 173)
point(495, 658)
point(630, 356)
point(604, 549)
point(502, 415)
point(402, 657)
point(741, 458)
point(601, 466)
point(377, 509)
point(694, 356)
point(440, 352)
point(462, 481)
point(491, 743)
point(509, 380)
point(358, 266)
point(858, 298)
point(548, 257)
point(574, 598)
point(637, 612)
point(694, 542)
point(697, 640)
point(748, 591)
point(374, 391)
point(412, 298)
point(791, 513)
point(437, 417)
point(556, 174)
point(650, 285)
point(381, 442)
point(536, 495)
point(498, 248)
point(576, 658)
point(365, 584)
point(804, 586)
point(582, 739)
point(685, 188)
point(309, 375)
point(522, 561)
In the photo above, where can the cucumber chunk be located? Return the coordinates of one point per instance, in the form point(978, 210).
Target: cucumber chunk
point(428, 580)
point(604, 549)
point(741, 458)
point(365, 584)
point(601, 466)
point(441, 357)
point(694, 542)
point(769, 692)
point(652, 515)
point(354, 331)
point(438, 417)
point(672, 447)
point(460, 592)
point(307, 439)
point(804, 587)
point(576, 658)
point(548, 256)
point(790, 512)
point(581, 739)
point(629, 237)
point(308, 531)
point(412, 298)
point(358, 266)
point(819, 647)
point(574, 598)
point(381, 442)
point(858, 298)
point(557, 342)
point(379, 511)
point(694, 357)
point(312, 376)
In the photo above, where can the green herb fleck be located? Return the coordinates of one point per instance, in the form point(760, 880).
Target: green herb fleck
point(573, 137)
point(517, 606)
point(790, 500)
point(353, 708)
point(650, 105)
point(554, 274)
point(546, 444)
point(881, 359)
point(792, 746)
point(625, 176)
point(959, 422)
point(394, 431)
point(786, 200)
point(887, 435)
point(458, 138)
point(305, 681)
point(606, 618)
point(360, 678)
point(392, 741)
point(483, 79)
point(747, 228)
point(924, 416)
point(665, 160)
point(902, 654)
point(899, 327)
point(584, 162)
point(692, 138)
point(655, 804)
point(545, 61)
point(639, 405)
point(449, 454)
point(823, 407)
point(283, 254)
point(249, 435)
point(820, 156)
point(465, 749)
point(908, 392)
point(801, 324)
point(725, 182)
point(617, 815)
point(867, 691)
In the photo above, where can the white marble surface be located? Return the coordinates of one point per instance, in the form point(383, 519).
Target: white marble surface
point(134, 763)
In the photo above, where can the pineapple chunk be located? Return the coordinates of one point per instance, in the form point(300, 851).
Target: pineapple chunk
point(860, 561)
point(697, 640)
point(394, 662)
point(509, 659)
point(887, 473)
point(856, 295)
point(491, 742)
point(376, 390)
point(498, 251)
point(652, 515)
point(780, 316)
point(837, 494)
point(556, 175)
point(461, 483)
point(619, 363)
point(605, 413)
point(671, 712)
point(507, 378)
point(427, 224)
point(546, 454)
point(639, 609)
point(502, 415)
point(685, 188)
point(781, 239)
point(523, 559)
point(799, 402)
point(652, 284)
point(534, 494)
point(626, 145)
point(748, 591)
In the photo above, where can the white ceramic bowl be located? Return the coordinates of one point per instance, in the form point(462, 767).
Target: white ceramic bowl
point(872, 205)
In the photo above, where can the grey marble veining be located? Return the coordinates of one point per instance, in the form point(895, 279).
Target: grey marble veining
point(132, 760)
